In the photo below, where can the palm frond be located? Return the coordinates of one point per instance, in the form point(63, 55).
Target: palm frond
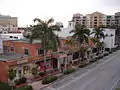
point(51, 20)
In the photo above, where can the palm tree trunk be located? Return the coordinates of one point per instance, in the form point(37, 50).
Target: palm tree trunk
point(45, 60)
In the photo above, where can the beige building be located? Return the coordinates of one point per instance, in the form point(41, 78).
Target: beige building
point(95, 19)
point(8, 21)
point(92, 20)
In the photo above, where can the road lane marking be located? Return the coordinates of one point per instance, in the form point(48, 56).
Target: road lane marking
point(51, 88)
point(111, 58)
point(118, 79)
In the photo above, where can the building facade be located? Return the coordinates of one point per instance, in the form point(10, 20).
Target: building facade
point(8, 20)
point(95, 19)
point(117, 19)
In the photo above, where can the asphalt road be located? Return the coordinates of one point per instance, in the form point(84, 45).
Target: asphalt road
point(102, 76)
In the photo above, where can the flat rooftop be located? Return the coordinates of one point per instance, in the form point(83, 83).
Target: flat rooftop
point(10, 56)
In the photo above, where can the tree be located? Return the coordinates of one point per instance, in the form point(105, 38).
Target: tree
point(11, 75)
point(98, 34)
point(83, 51)
point(34, 71)
point(45, 32)
point(81, 34)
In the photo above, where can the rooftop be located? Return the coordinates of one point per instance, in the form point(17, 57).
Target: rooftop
point(11, 56)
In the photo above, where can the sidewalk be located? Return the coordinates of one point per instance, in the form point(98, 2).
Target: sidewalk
point(37, 85)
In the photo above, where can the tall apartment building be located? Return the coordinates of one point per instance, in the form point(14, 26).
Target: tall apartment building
point(93, 20)
point(77, 19)
point(117, 19)
point(8, 21)
point(110, 20)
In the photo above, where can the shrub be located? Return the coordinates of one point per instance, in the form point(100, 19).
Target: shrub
point(11, 74)
point(68, 71)
point(117, 88)
point(20, 81)
point(23, 80)
point(28, 87)
point(42, 74)
point(49, 79)
point(4, 86)
point(17, 82)
point(83, 65)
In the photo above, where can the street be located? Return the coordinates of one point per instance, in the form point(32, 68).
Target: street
point(102, 76)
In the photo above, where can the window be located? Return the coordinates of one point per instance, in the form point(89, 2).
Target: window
point(95, 22)
point(12, 48)
point(40, 51)
point(26, 52)
point(69, 24)
point(95, 16)
point(11, 37)
point(16, 37)
point(75, 55)
point(4, 32)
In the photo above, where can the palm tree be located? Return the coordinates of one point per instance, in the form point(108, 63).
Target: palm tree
point(45, 32)
point(81, 34)
point(98, 34)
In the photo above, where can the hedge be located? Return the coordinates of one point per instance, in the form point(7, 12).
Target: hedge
point(20, 81)
point(49, 79)
point(4, 86)
point(28, 87)
point(42, 74)
point(68, 71)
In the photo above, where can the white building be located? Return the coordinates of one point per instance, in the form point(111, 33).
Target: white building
point(109, 40)
point(9, 33)
point(65, 32)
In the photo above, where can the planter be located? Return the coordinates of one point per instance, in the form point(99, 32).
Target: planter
point(82, 65)
point(68, 71)
point(42, 74)
point(27, 87)
point(21, 85)
point(49, 79)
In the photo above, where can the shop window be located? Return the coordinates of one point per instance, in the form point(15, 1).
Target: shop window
point(40, 51)
point(16, 37)
point(11, 37)
point(12, 48)
point(75, 55)
point(26, 52)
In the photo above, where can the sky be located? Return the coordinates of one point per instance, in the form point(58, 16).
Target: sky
point(60, 10)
